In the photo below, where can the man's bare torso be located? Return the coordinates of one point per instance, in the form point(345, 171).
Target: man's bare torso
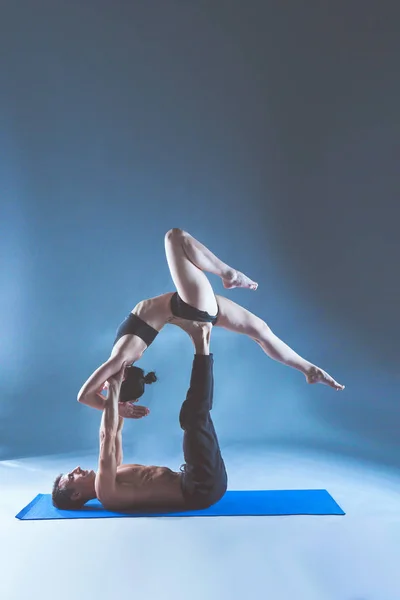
point(139, 487)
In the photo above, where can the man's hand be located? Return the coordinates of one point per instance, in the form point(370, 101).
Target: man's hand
point(129, 410)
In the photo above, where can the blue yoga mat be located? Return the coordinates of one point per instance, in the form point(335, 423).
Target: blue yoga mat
point(234, 503)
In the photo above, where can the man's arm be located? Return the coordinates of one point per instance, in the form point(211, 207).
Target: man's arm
point(119, 455)
point(108, 440)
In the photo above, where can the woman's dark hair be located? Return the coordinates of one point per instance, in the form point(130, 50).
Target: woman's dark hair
point(133, 385)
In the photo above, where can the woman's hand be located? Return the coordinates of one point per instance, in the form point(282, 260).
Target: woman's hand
point(130, 410)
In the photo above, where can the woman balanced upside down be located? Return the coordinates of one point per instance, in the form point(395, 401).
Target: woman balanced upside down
point(194, 300)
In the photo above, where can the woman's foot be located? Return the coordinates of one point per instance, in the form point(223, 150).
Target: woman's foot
point(236, 279)
point(317, 375)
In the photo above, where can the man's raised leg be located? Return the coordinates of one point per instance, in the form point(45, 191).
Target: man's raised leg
point(204, 479)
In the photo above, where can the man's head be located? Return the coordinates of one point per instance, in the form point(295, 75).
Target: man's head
point(72, 490)
point(132, 386)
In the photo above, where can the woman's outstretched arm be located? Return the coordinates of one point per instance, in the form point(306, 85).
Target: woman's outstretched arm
point(89, 393)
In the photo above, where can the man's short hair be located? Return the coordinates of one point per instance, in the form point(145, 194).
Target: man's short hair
point(61, 496)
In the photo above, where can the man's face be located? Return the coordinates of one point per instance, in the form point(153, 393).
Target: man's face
point(80, 481)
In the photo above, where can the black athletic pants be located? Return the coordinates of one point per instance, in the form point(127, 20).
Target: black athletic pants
point(204, 478)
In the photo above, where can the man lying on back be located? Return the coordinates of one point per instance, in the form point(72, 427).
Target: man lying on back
point(122, 488)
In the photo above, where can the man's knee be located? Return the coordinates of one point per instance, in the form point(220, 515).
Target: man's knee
point(192, 417)
point(183, 417)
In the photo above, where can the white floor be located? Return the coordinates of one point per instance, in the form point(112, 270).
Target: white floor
point(355, 557)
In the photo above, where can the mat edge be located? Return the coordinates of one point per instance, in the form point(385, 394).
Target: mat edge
point(28, 507)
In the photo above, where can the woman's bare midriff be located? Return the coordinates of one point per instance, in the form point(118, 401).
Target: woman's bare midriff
point(156, 312)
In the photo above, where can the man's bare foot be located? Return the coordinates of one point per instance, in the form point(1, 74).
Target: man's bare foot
point(317, 375)
point(195, 329)
point(237, 279)
point(199, 333)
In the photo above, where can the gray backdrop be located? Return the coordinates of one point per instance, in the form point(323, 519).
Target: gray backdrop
point(270, 131)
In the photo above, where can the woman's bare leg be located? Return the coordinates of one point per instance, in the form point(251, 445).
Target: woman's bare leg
point(187, 260)
point(234, 317)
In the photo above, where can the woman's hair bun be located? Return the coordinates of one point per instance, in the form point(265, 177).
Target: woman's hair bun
point(150, 377)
